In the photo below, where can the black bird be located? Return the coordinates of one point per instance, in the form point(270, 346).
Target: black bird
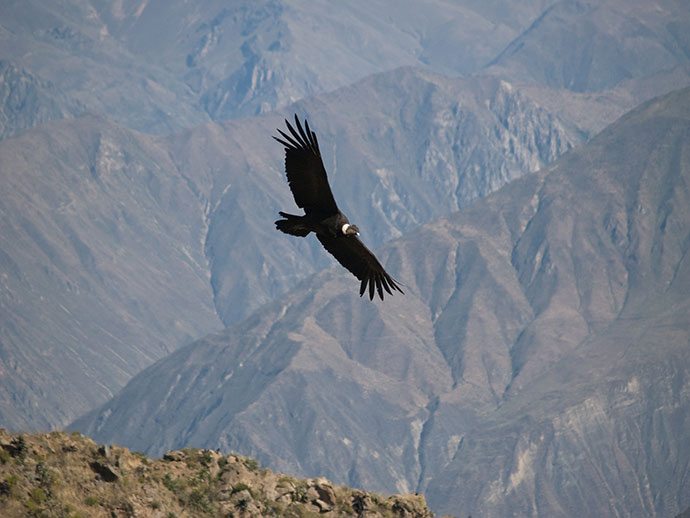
point(309, 185)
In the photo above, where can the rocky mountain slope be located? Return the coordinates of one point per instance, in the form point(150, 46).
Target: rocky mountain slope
point(102, 268)
point(69, 475)
point(161, 67)
point(535, 365)
point(118, 247)
point(99, 278)
point(26, 101)
point(593, 45)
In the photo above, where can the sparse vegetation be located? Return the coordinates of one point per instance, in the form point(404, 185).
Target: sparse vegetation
point(4, 456)
point(241, 486)
point(202, 499)
point(286, 481)
point(175, 485)
point(69, 476)
point(199, 477)
point(37, 495)
point(251, 464)
point(8, 485)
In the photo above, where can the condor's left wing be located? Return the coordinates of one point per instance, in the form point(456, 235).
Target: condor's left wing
point(305, 171)
point(353, 255)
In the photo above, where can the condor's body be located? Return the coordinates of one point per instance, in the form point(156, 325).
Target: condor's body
point(309, 185)
point(321, 223)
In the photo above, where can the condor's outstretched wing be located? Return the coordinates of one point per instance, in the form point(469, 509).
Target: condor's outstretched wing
point(305, 171)
point(353, 255)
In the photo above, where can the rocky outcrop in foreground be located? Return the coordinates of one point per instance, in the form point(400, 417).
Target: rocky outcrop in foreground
point(69, 475)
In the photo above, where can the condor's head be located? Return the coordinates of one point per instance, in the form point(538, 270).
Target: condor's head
point(350, 230)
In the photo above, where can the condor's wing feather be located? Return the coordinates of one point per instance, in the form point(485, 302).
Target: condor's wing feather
point(358, 259)
point(305, 171)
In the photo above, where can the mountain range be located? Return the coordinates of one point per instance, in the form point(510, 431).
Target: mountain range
point(140, 185)
point(162, 67)
point(120, 247)
point(537, 357)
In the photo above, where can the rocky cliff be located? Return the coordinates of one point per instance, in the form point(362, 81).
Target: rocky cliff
point(58, 474)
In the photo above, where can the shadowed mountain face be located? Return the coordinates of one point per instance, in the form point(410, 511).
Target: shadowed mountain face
point(535, 366)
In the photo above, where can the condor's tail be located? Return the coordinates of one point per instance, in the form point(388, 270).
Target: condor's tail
point(293, 225)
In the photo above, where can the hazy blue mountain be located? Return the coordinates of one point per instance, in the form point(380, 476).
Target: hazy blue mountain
point(119, 247)
point(163, 66)
point(252, 56)
point(26, 102)
point(116, 248)
point(67, 46)
point(428, 145)
point(592, 45)
point(536, 365)
point(102, 267)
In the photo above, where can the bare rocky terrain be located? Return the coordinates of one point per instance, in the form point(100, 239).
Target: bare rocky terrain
point(70, 475)
point(536, 363)
point(538, 354)
point(118, 247)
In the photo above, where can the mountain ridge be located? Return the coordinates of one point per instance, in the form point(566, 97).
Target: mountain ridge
point(117, 247)
point(163, 67)
point(514, 331)
point(64, 474)
point(103, 212)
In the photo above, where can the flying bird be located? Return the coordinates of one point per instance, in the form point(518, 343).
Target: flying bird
point(309, 185)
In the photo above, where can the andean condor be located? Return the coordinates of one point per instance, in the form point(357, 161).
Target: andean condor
point(309, 185)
